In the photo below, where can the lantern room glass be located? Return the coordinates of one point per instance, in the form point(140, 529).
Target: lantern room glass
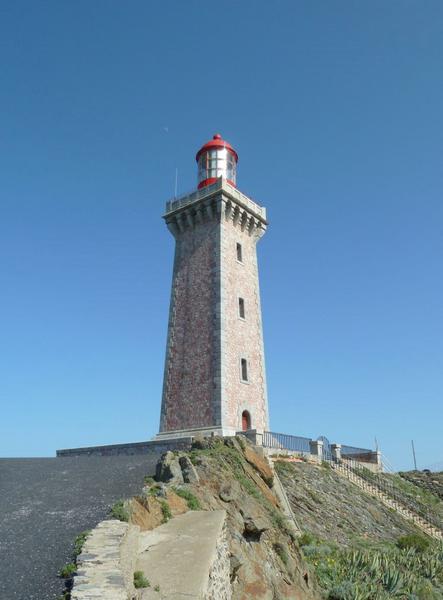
point(215, 163)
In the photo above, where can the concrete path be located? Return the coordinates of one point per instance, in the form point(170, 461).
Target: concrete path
point(178, 555)
point(45, 503)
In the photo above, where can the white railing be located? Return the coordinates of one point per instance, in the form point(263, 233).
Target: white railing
point(220, 184)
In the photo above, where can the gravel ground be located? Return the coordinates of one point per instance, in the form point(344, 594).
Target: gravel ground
point(45, 503)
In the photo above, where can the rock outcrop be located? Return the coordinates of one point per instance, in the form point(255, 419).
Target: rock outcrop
point(233, 475)
point(168, 469)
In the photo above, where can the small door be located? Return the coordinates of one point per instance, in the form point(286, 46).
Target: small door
point(245, 421)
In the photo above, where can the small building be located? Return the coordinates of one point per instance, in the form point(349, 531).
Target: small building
point(214, 378)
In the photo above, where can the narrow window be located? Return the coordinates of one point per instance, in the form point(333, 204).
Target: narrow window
point(244, 369)
point(241, 308)
point(239, 253)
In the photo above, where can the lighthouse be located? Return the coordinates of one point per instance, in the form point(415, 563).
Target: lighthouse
point(214, 377)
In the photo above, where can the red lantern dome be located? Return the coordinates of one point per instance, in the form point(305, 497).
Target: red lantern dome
point(217, 158)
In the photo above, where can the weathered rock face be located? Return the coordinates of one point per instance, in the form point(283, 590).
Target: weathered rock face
point(168, 469)
point(175, 469)
point(146, 510)
point(188, 470)
point(255, 524)
point(230, 491)
point(260, 464)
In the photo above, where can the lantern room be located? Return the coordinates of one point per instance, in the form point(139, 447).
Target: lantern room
point(217, 158)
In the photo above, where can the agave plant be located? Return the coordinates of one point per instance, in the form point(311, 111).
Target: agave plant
point(372, 574)
point(431, 566)
point(392, 581)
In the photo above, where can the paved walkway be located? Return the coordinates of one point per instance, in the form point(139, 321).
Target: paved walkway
point(178, 557)
point(45, 503)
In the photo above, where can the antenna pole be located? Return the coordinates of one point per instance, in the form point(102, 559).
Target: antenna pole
point(413, 454)
point(176, 182)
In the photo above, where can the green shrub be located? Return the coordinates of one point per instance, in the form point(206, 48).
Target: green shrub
point(79, 542)
point(140, 580)
point(195, 456)
point(317, 550)
point(413, 490)
point(314, 496)
point(148, 480)
point(284, 467)
point(306, 539)
point(413, 540)
point(343, 591)
point(157, 588)
point(426, 591)
point(68, 570)
point(247, 484)
point(155, 490)
point(191, 500)
point(166, 511)
point(119, 511)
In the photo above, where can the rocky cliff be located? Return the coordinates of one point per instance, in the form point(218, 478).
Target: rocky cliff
point(230, 474)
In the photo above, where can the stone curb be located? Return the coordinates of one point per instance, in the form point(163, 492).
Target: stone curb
point(105, 565)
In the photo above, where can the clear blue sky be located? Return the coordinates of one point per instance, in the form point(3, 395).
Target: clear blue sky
point(335, 109)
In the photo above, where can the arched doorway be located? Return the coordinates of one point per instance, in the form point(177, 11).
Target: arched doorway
point(245, 420)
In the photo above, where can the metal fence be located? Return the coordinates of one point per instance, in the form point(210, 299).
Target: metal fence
point(221, 183)
point(359, 454)
point(282, 441)
point(296, 443)
point(354, 450)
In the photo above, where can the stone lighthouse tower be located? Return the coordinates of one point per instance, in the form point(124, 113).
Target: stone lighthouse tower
point(214, 380)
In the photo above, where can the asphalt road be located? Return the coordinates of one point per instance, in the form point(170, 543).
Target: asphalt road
point(45, 503)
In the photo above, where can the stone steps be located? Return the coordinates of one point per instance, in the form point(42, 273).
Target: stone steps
point(405, 512)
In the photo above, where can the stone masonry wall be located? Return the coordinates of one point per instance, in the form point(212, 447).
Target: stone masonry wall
point(152, 448)
point(106, 564)
point(188, 393)
point(243, 338)
point(219, 583)
point(207, 338)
